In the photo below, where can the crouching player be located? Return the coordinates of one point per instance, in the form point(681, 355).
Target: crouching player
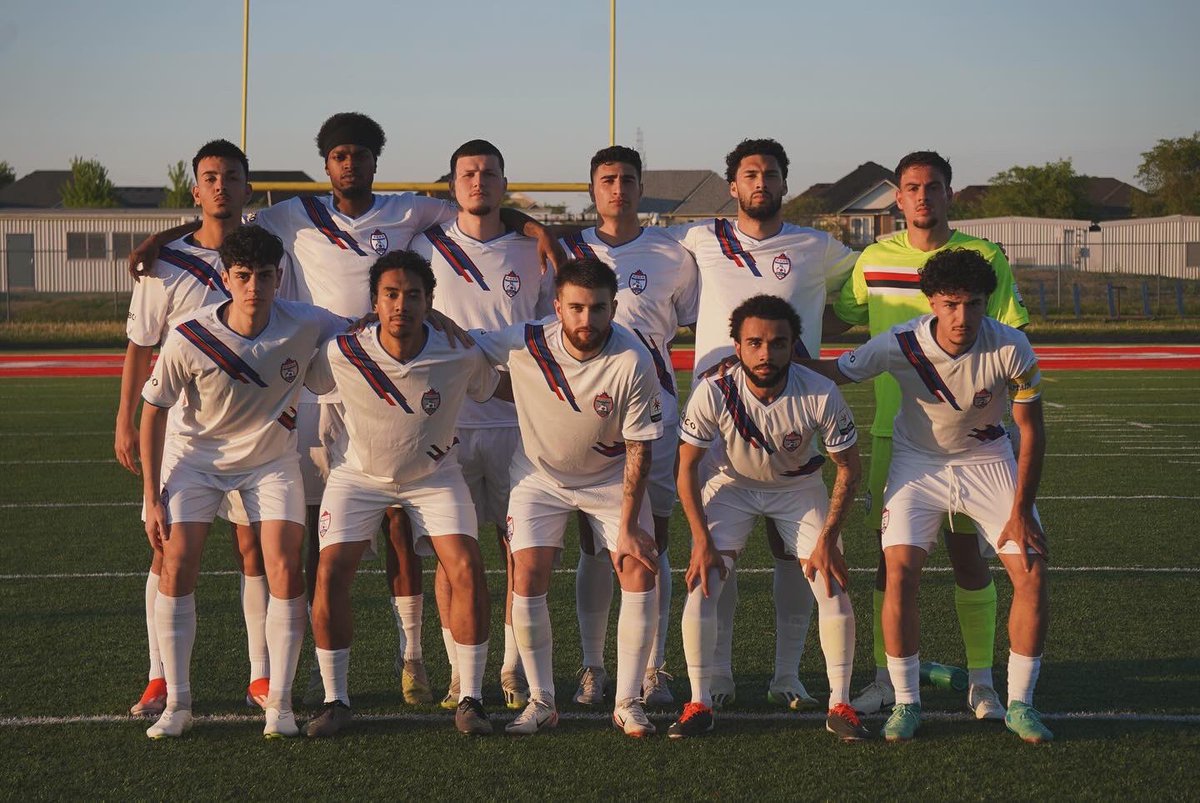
point(955, 369)
point(402, 390)
point(240, 364)
point(769, 414)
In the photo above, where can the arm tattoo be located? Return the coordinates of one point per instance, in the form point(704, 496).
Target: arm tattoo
point(637, 467)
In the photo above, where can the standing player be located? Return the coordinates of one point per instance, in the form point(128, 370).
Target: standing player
point(240, 364)
point(186, 277)
point(402, 390)
point(656, 293)
point(769, 414)
point(589, 403)
point(490, 277)
point(955, 368)
point(760, 253)
point(882, 292)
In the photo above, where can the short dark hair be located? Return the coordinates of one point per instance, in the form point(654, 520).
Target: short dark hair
point(251, 247)
point(958, 270)
point(925, 159)
point(755, 147)
point(403, 260)
point(350, 128)
point(475, 147)
point(767, 307)
point(588, 272)
point(616, 153)
point(222, 149)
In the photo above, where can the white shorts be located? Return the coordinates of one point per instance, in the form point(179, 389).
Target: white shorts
point(320, 440)
point(486, 457)
point(918, 497)
point(231, 509)
point(732, 510)
point(353, 506)
point(538, 511)
point(661, 483)
point(271, 492)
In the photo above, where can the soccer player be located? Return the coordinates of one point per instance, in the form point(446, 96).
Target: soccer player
point(588, 404)
point(656, 293)
point(955, 368)
point(185, 277)
point(490, 277)
point(240, 364)
point(769, 414)
point(882, 292)
point(760, 253)
point(401, 389)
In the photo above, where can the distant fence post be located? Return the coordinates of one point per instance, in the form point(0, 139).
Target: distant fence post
point(1075, 297)
point(1179, 296)
point(1042, 298)
point(1112, 301)
point(1146, 299)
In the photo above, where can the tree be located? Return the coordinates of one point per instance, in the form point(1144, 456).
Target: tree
point(1170, 172)
point(7, 174)
point(179, 190)
point(804, 210)
point(1052, 190)
point(89, 186)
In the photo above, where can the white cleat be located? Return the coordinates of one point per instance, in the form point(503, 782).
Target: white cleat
point(280, 724)
point(538, 715)
point(592, 680)
point(874, 698)
point(792, 695)
point(723, 691)
point(985, 703)
point(630, 716)
point(171, 725)
point(655, 690)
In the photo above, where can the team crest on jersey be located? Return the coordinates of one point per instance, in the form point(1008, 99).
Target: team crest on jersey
point(982, 399)
point(782, 266)
point(511, 284)
point(791, 441)
point(379, 242)
point(323, 523)
point(603, 405)
point(637, 282)
point(431, 401)
point(289, 370)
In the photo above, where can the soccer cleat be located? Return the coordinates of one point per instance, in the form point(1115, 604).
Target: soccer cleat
point(515, 688)
point(471, 719)
point(256, 692)
point(314, 695)
point(843, 723)
point(333, 717)
point(1023, 720)
point(414, 682)
point(450, 701)
point(875, 697)
point(655, 690)
point(903, 723)
point(696, 720)
point(154, 700)
point(985, 703)
point(280, 724)
point(630, 716)
point(172, 724)
point(538, 715)
point(723, 691)
point(792, 696)
point(592, 680)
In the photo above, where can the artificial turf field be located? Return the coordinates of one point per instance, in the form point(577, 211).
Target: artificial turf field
point(1120, 686)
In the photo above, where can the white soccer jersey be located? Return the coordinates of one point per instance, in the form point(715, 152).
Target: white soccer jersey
point(769, 446)
point(657, 292)
point(241, 393)
point(400, 416)
point(951, 408)
point(800, 265)
point(486, 285)
point(575, 417)
point(184, 278)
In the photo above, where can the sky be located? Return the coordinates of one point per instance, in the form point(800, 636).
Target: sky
point(140, 84)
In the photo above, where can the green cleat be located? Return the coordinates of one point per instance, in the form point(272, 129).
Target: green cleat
point(903, 723)
point(1023, 720)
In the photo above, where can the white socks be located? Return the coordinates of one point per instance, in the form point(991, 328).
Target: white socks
point(593, 599)
point(1022, 677)
point(175, 621)
point(793, 612)
point(156, 667)
point(472, 658)
point(287, 619)
point(451, 652)
point(335, 669)
point(254, 610)
point(512, 656)
point(906, 677)
point(409, 613)
point(727, 597)
point(531, 626)
point(835, 620)
point(981, 677)
point(636, 630)
point(662, 588)
point(700, 616)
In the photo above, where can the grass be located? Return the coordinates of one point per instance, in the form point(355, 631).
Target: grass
point(1121, 640)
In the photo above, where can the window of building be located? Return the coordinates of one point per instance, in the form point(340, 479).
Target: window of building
point(81, 245)
point(124, 242)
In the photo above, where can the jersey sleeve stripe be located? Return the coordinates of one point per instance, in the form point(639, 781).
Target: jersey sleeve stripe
point(325, 224)
point(665, 377)
point(742, 422)
point(200, 270)
point(219, 353)
point(353, 351)
point(535, 341)
point(453, 254)
point(732, 248)
point(924, 368)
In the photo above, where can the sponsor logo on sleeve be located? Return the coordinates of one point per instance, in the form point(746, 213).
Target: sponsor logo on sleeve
point(656, 408)
point(845, 422)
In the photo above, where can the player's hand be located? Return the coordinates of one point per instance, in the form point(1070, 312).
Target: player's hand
point(362, 323)
point(704, 559)
point(549, 252)
point(827, 559)
point(126, 448)
point(720, 369)
point(637, 544)
point(142, 257)
point(157, 530)
point(454, 333)
point(1024, 531)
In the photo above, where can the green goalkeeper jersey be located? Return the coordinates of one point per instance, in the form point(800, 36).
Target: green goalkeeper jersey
point(885, 290)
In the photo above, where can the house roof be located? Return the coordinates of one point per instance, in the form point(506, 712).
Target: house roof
point(840, 194)
point(42, 189)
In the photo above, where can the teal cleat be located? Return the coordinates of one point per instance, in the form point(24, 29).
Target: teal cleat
point(1023, 720)
point(903, 723)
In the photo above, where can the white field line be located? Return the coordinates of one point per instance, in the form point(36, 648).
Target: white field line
point(61, 433)
point(61, 462)
point(1108, 405)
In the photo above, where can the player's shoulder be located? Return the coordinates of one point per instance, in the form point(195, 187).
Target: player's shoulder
point(278, 213)
point(184, 256)
point(988, 249)
point(1003, 334)
point(804, 381)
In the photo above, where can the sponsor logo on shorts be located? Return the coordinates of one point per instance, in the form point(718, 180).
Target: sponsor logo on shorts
point(379, 242)
point(431, 401)
point(603, 405)
point(511, 284)
point(782, 266)
point(982, 398)
point(637, 282)
point(289, 370)
point(323, 524)
point(656, 408)
point(791, 441)
point(883, 521)
point(508, 528)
